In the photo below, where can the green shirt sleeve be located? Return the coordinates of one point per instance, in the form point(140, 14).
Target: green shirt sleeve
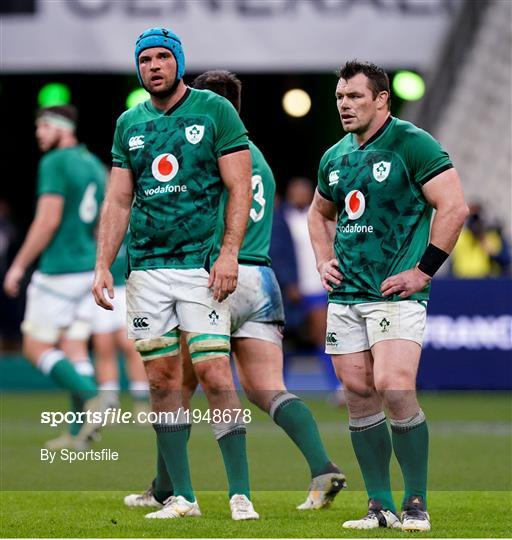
point(424, 157)
point(51, 178)
point(323, 181)
point(119, 155)
point(231, 132)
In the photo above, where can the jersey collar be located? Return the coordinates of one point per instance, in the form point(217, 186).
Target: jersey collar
point(377, 134)
point(179, 103)
point(182, 100)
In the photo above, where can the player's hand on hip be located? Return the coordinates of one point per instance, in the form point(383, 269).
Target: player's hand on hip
point(223, 276)
point(103, 280)
point(405, 283)
point(330, 274)
point(12, 280)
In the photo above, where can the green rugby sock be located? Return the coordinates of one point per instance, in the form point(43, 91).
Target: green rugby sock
point(372, 446)
point(172, 443)
point(234, 454)
point(410, 443)
point(162, 485)
point(294, 417)
point(85, 369)
point(54, 364)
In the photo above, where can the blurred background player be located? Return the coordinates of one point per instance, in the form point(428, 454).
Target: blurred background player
point(70, 189)
point(169, 290)
point(256, 331)
point(379, 185)
point(313, 298)
point(109, 337)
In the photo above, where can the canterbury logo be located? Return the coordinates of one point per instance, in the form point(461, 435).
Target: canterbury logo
point(136, 142)
point(140, 322)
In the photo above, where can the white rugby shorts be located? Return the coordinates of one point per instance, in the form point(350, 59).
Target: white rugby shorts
point(55, 302)
point(357, 327)
point(159, 300)
point(256, 305)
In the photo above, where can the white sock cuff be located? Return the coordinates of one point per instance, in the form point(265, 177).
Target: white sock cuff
point(279, 400)
point(48, 360)
point(221, 429)
point(109, 386)
point(408, 423)
point(84, 368)
point(137, 387)
point(367, 422)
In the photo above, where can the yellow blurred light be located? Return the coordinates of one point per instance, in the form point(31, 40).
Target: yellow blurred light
point(296, 103)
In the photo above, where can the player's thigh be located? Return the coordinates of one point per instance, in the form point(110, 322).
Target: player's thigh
point(396, 364)
point(395, 332)
point(259, 364)
point(51, 305)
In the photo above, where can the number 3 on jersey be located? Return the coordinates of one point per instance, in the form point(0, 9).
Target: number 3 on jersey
point(89, 206)
point(258, 197)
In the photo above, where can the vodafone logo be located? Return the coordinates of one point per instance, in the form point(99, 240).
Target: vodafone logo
point(355, 204)
point(165, 167)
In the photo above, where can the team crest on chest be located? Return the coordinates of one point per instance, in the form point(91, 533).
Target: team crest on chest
point(381, 170)
point(194, 133)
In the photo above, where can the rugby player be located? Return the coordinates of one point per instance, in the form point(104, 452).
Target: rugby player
point(379, 185)
point(58, 313)
point(172, 157)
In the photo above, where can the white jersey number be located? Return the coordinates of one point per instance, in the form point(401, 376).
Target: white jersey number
point(259, 197)
point(89, 206)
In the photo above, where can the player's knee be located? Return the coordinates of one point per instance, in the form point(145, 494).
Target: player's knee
point(215, 376)
point(162, 378)
point(159, 347)
point(204, 347)
point(398, 381)
point(359, 388)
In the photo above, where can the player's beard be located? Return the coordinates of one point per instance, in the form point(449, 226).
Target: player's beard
point(167, 92)
point(162, 94)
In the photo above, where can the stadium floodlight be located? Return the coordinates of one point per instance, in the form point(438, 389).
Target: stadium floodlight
point(408, 85)
point(52, 94)
point(296, 102)
point(135, 97)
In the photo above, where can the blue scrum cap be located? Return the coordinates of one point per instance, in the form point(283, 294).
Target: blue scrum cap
point(161, 37)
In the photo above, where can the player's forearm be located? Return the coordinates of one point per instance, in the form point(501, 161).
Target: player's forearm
point(113, 226)
point(237, 215)
point(321, 232)
point(39, 236)
point(447, 225)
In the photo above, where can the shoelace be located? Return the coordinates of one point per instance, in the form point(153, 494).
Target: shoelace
point(170, 500)
point(241, 504)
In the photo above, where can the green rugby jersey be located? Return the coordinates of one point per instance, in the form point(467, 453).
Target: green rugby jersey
point(173, 157)
point(383, 218)
point(256, 243)
point(79, 177)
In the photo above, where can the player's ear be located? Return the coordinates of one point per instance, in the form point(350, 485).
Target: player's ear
point(382, 99)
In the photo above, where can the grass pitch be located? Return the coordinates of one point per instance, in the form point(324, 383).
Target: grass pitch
point(470, 476)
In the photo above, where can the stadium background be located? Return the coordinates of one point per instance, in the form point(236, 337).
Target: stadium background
point(462, 51)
